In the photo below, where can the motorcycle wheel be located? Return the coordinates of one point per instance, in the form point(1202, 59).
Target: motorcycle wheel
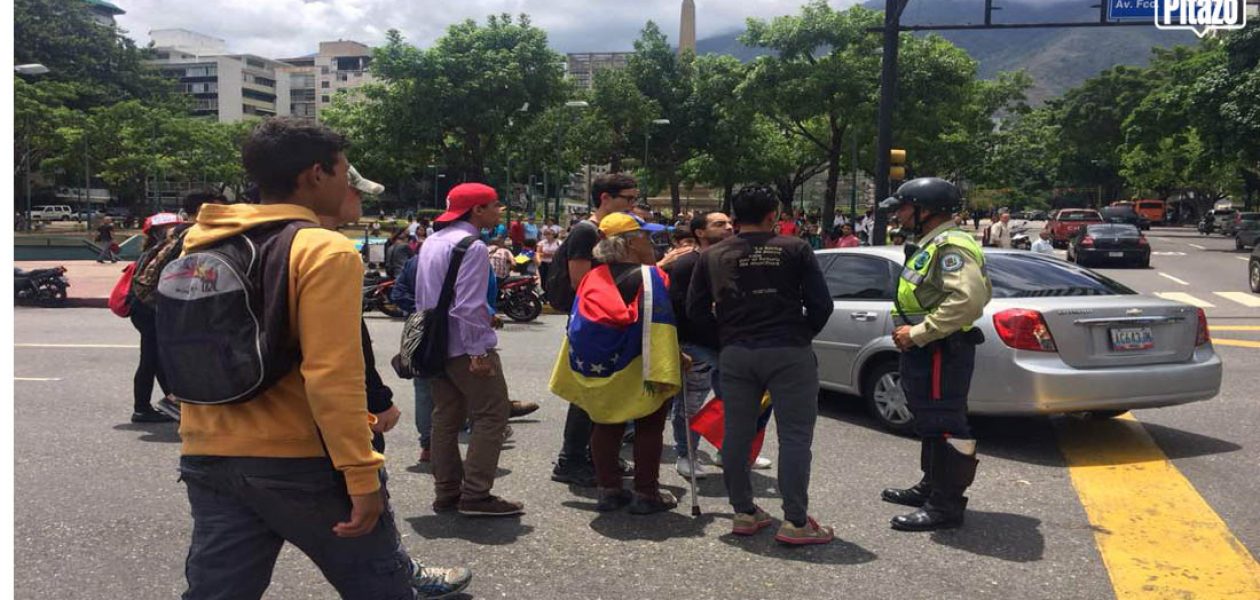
point(51, 294)
point(523, 308)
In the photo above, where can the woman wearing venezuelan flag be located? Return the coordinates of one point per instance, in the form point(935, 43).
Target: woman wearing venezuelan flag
point(621, 362)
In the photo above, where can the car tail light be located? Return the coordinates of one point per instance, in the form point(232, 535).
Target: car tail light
point(1142, 240)
point(1087, 241)
point(1204, 336)
point(1024, 329)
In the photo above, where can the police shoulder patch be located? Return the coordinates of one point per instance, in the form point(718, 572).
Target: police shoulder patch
point(951, 261)
point(921, 260)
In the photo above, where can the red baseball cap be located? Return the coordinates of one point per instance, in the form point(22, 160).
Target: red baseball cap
point(465, 197)
point(160, 220)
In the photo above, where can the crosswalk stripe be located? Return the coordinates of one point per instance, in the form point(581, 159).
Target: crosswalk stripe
point(1243, 257)
point(1164, 541)
point(1198, 246)
point(1243, 298)
point(1167, 276)
point(1184, 297)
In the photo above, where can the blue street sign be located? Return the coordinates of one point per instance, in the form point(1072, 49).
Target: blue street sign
point(1131, 10)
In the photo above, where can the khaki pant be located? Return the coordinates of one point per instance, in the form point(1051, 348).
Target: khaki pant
point(458, 397)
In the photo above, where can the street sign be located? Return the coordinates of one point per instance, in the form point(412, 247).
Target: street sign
point(1131, 10)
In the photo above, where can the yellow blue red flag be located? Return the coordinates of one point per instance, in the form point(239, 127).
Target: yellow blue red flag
point(619, 361)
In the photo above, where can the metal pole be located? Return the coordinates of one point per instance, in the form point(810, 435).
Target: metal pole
point(87, 174)
point(887, 100)
point(853, 189)
point(435, 185)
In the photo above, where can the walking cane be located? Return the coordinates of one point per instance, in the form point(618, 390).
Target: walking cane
point(691, 451)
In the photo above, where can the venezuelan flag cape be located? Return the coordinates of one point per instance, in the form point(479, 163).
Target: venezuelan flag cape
point(619, 362)
point(710, 423)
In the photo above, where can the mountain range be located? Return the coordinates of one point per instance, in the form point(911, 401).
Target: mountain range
point(1057, 59)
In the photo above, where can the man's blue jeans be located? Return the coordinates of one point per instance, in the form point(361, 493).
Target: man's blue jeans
point(424, 410)
point(700, 380)
point(245, 509)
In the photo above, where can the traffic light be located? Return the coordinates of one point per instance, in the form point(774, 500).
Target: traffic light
point(897, 164)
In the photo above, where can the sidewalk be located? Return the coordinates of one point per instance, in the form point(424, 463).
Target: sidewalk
point(90, 281)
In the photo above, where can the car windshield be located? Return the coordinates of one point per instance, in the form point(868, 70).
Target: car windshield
point(1035, 276)
point(1080, 215)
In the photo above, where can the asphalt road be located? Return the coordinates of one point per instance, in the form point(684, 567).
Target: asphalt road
point(99, 513)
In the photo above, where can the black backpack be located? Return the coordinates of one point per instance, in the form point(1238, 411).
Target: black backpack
point(223, 316)
point(560, 292)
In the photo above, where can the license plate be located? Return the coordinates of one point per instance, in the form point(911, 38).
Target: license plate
point(1116, 254)
point(1133, 338)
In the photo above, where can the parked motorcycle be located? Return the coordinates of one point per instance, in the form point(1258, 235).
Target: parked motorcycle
point(519, 298)
point(1020, 239)
point(40, 286)
point(376, 288)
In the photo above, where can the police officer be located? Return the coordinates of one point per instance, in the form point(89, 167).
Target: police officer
point(943, 290)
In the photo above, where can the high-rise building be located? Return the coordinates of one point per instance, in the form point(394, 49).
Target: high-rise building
point(342, 65)
point(687, 30)
point(229, 87)
point(581, 67)
point(303, 81)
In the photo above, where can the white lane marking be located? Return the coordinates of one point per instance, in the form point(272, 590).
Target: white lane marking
point(1167, 276)
point(1242, 298)
point(1168, 253)
point(1187, 298)
point(1196, 246)
point(76, 345)
point(1243, 257)
point(36, 379)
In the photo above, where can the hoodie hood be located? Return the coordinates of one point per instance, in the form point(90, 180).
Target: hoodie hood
point(217, 222)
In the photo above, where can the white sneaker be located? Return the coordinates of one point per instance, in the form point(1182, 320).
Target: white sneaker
point(760, 464)
point(685, 468)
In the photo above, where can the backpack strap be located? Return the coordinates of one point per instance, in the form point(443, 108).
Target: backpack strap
point(272, 271)
point(452, 273)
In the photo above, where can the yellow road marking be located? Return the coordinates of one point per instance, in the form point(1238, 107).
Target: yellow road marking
point(1243, 298)
point(76, 345)
point(1184, 297)
point(1239, 343)
point(1157, 536)
point(1235, 327)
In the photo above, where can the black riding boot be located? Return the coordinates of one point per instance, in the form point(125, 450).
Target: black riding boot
point(916, 496)
point(952, 472)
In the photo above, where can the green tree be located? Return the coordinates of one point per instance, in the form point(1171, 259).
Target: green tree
point(460, 93)
point(1225, 104)
point(666, 78)
point(619, 111)
point(1091, 119)
point(99, 64)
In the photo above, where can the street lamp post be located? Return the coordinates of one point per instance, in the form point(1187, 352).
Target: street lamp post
point(578, 104)
point(647, 133)
point(29, 70)
point(436, 176)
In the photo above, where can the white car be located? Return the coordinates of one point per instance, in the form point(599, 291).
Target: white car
point(1058, 339)
point(58, 212)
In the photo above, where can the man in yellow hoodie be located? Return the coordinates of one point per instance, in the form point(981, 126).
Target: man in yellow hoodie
point(296, 463)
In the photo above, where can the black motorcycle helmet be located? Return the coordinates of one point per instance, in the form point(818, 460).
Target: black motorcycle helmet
point(931, 194)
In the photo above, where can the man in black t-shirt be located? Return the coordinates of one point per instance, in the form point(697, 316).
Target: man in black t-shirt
point(611, 193)
point(769, 299)
point(698, 338)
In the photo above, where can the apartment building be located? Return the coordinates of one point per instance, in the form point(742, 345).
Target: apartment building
point(303, 82)
point(342, 65)
point(581, 67)
point(229, 87)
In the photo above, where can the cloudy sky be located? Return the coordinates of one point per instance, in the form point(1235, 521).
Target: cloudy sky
point(284, 28)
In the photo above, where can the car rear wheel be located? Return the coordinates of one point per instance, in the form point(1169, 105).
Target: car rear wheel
point(1255, 276)
point(885, 400)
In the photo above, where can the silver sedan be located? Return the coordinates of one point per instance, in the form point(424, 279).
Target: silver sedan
point(1058, 339)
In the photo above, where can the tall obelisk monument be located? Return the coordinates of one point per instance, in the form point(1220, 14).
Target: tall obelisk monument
point(687, 33)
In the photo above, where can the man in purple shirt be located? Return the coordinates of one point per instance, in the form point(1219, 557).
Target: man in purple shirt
point(473, 387)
